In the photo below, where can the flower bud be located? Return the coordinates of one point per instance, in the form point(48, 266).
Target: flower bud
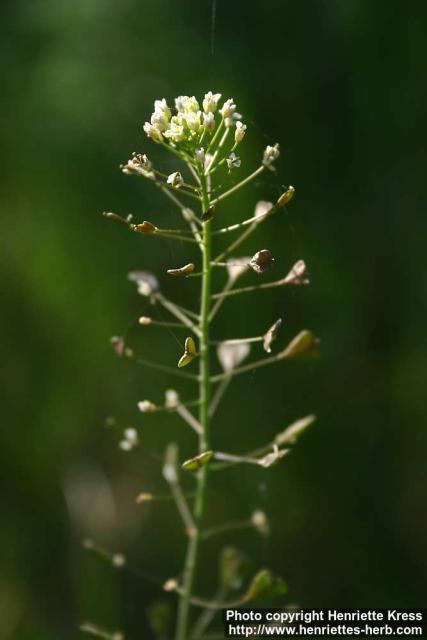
point(171, 399)
point(210, 102)
point(145, 320)
point(146, 406)
point(170, 585)
point(270, 155)
point(200, 155)
point(209, 121)
point(228, 108)
point(240, 131)
point(153, 132)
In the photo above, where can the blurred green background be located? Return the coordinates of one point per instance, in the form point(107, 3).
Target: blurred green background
point(341, 86)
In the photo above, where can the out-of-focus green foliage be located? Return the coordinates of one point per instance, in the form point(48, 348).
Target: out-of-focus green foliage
point(341, 85)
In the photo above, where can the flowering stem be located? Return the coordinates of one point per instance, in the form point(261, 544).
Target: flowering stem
point(204, 392)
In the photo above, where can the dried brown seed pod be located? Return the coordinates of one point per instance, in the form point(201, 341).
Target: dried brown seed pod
point(186, 270)
point(271, 335)
point(262, 261)
point(285, 197)
point(144, 227)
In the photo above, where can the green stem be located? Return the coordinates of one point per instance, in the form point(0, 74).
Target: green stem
point(186, 593)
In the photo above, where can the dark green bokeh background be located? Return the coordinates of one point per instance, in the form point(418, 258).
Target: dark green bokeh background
point(342, 86)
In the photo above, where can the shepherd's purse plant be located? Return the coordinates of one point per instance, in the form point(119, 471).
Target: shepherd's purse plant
point(204, 139)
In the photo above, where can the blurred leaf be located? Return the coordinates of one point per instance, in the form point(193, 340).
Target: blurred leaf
point(231, 563)
point(194, 464)
point(160, 619)
point(265, 585)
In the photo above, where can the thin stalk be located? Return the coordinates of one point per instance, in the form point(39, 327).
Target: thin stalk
point(239, 340)
point(165, 369)
point(174, 236)
point(218, 395)
point(211, 166)
point(186, 593)
point(248, 289)
point(218, 303)
point(248, 367)
point(227, 526)
point(177, 311)
point(239, 185)
point(238, 225)
point(183, 209)
point(246, 233)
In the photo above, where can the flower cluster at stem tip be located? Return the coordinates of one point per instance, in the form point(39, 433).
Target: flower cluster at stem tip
point(190, 129)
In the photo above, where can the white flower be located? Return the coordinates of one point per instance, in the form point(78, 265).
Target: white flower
point(153, 132)
point(146, 406)
point(193, 119)
point(184, 104)
point(161, 115)
point(233, 161)
point(131, 434)
point(210, 103)
point(146, 282)
point(175, 179)
point(159, 121)
point(240, 132)
point(161, 105)
point(130, 439)
point(270, 155)
point(228, 108)
point(200, 155)
point(209, 121)
point(175, 131)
